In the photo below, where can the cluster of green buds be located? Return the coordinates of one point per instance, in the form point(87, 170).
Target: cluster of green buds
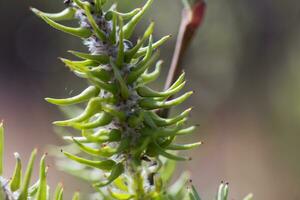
point(18, 186)
point(120, 130)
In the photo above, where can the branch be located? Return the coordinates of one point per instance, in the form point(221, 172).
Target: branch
point(192, 18)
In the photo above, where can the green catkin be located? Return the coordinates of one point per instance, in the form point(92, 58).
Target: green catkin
point(121, 134)
point(118, 98)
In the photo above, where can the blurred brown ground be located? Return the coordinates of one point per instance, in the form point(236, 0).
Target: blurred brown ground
point(243, 66)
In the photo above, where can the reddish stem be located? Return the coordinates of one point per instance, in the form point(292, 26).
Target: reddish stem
point(191, 21)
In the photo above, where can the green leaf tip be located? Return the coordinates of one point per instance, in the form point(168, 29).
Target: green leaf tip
point(16, 180)
point(27, 178)
point(42, 193)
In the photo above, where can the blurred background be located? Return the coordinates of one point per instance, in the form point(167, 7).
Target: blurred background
point(243, 66)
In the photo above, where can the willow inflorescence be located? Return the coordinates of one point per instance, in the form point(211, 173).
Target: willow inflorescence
point(122, 146)
point(120, 130)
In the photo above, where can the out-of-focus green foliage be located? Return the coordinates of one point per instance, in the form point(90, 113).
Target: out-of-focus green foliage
point(18, 187)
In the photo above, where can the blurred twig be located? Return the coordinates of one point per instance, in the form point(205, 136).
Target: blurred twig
point(192, 17)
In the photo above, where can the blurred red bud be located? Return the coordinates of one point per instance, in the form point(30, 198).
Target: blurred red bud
point(197, 15)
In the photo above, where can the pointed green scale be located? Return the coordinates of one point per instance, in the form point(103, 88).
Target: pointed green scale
point(66, 14)
point(79, 3)
point(27, 178)
point(99, 4)
point(226, 191)
point(93, 107)
point(16, 180)
point(140, 69)
point(123, 87)
point(99, 33)
point(78, 32)
point(177, 147)
point(102, 59)
point(148, 55)
point(113, 35)
point(120, 56)
point(124, 16)
point(220, 194)
point(150, 104)
point(114, 112)
point(42, 193)
point(110, 87)
point(121, 196)
point(100, 73)
point(32, 191)
point(105, 151)
point(102, 120)
point(120, 183)
point(79, 65)
point(132, 52)
point(117, 170)
point(193, 194)
point(169, 132)
point(87, 94)
point(147, 77)
point(155, 46)
point(148, 92)
point(141, 147)
point(164, 153)
point(100, 137)
point(103, 165)
point(169, 121)
point(130, 26)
